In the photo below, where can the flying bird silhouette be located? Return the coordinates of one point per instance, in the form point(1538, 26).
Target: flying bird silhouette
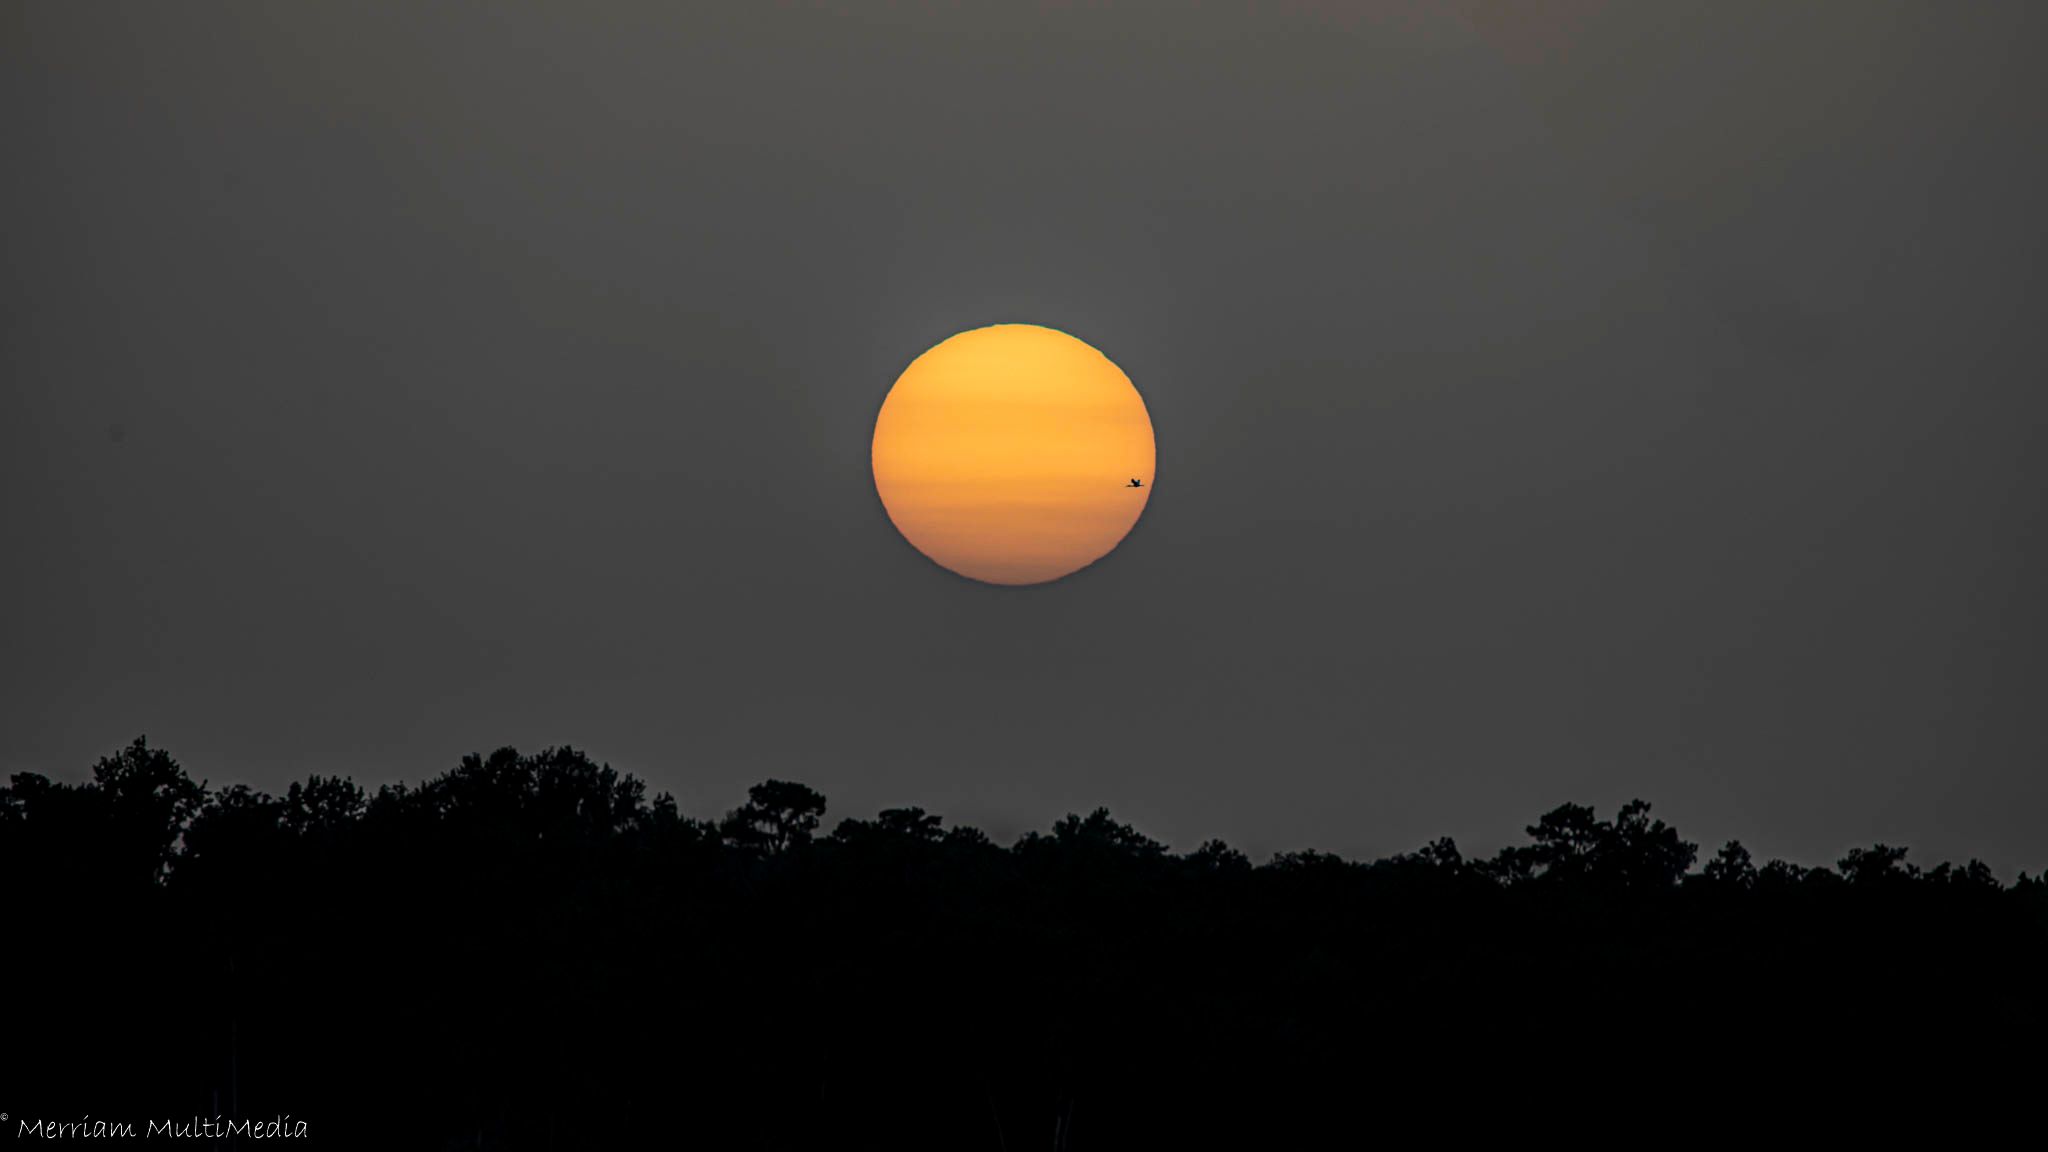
point(1135, 483)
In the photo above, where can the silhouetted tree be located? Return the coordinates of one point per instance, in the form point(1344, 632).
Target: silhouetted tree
point(1731, 867)
point(236, 828)
point(1218, 857)
point(777, 816)
point(1879, 864)
point(1567, 840)
point(1513, 865)
point(1638, 852)
point(1442, 853)
point(1973, 875)
point(149, 799)
point(1097, 832)
point(323, 804)
point(1783, 875)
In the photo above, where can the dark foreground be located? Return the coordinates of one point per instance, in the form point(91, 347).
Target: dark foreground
point(528, 952)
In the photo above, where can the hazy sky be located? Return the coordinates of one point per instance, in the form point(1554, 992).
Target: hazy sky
point(1555, 401)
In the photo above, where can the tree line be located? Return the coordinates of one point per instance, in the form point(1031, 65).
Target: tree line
point(529, 950)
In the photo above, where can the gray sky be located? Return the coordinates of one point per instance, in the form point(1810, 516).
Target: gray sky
point(1555, 401)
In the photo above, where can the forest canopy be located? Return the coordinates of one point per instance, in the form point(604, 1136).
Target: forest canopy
point(505, 935)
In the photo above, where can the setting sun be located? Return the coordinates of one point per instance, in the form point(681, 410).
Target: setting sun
point(1013, 454)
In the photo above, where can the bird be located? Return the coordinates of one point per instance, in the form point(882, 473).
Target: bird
point(1135, 483)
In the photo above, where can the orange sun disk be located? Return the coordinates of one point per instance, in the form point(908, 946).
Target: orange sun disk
point(1007, 453)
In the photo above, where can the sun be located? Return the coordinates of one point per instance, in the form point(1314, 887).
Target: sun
point(1014, 454)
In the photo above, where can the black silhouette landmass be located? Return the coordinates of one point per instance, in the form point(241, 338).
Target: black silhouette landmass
point(529, 951)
